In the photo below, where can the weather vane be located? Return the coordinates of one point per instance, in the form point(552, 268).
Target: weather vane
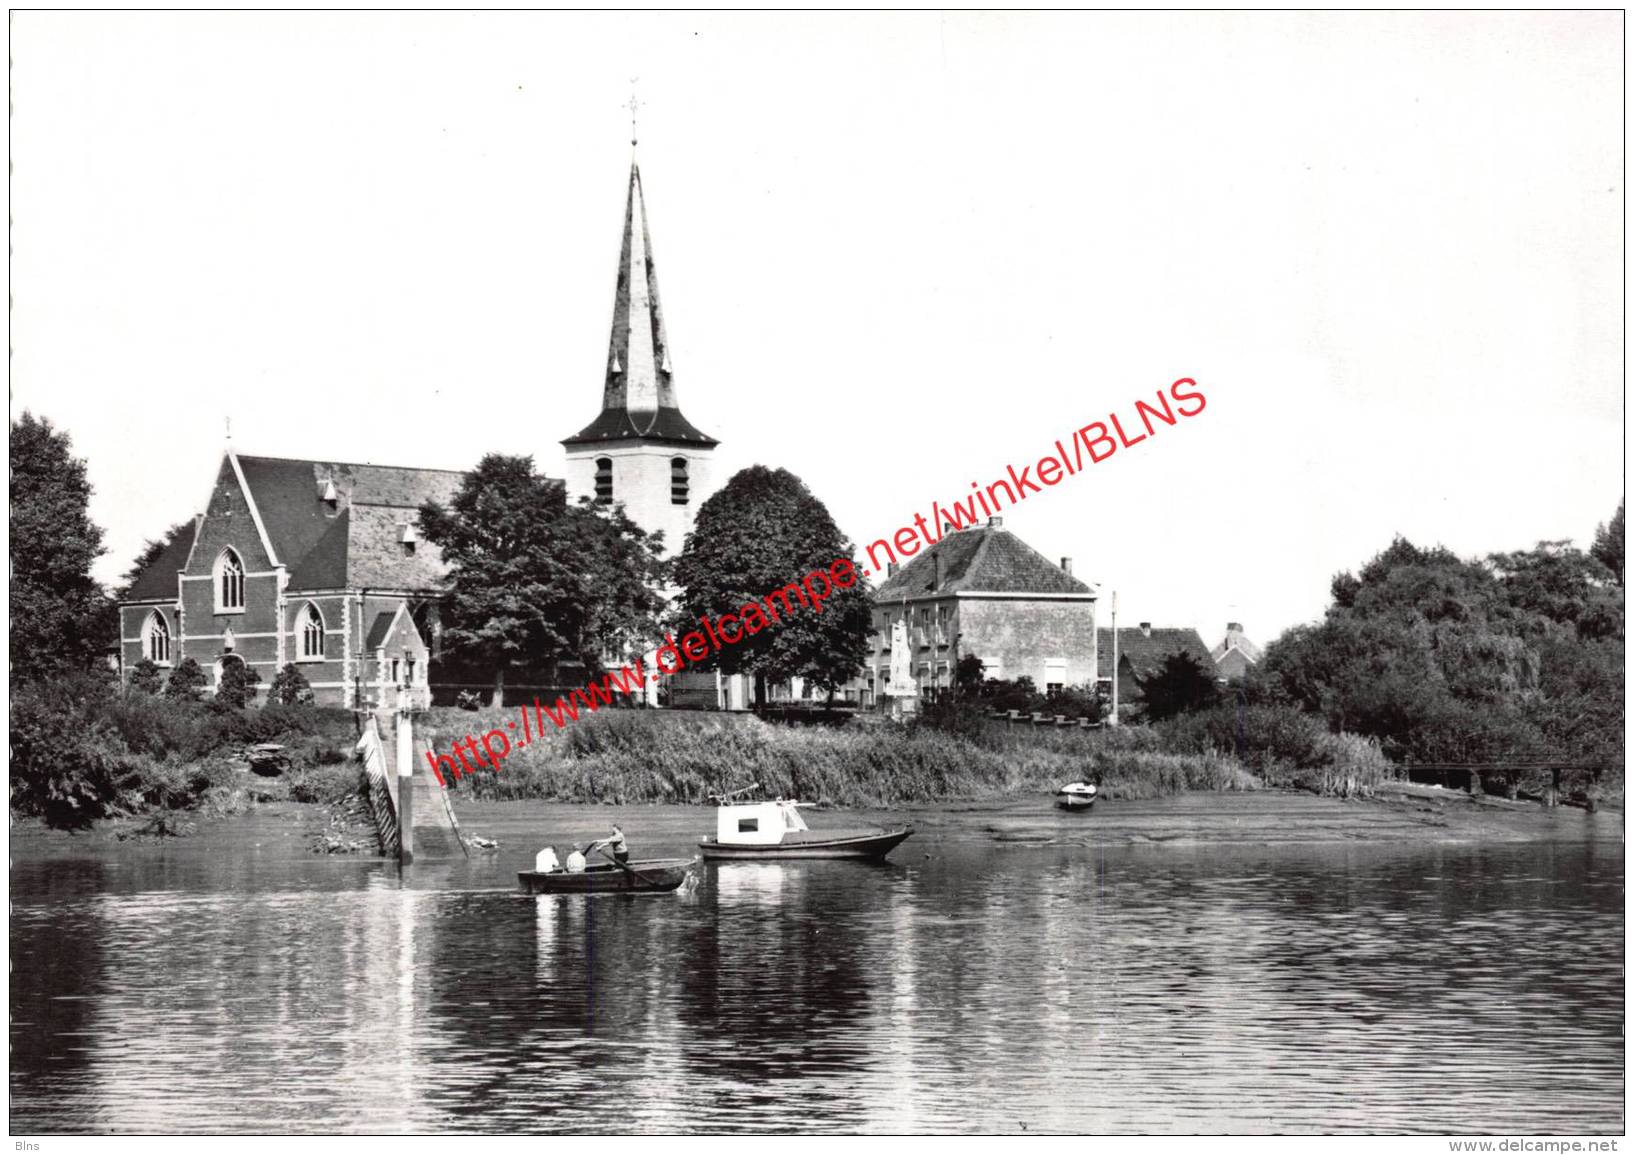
point(633, 106)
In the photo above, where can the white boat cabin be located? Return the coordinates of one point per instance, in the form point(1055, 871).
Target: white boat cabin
point(757, 823)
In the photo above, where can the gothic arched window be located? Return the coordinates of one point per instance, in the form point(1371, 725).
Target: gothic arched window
point(604, 480)
point(229, 581)
point(311, 631)
point(156, 639)
point(679, 488)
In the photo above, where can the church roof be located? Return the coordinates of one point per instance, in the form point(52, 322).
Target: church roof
point(158, 580)
point(1145, 649)
point(356, 539)
point(638, 395)
point(988, 559)
point(353, 541)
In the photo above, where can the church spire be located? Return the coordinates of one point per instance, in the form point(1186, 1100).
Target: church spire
point(638, 394)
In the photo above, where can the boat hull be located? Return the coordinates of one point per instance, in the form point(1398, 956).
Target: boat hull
point(653, 876)
point(1074, 802)
point(814, 844)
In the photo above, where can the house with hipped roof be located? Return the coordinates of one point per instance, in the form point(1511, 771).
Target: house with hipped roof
point(984, 591)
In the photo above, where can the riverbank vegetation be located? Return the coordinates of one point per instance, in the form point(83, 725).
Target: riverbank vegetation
point(83, 750)
point(1512, 659)
point(628, 756)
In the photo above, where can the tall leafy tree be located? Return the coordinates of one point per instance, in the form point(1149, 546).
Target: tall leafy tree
point(534, 580)
point(761, 531)
point(1514, 656)
point(60, 618)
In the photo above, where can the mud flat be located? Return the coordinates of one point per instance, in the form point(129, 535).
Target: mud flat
point(1400, 813)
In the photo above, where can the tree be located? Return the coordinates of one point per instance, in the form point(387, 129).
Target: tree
point(185, 682)
point(145, 677)
point(290, 687)
point(149, 553)
point(238, 683)
point(1516, 656)
point(533, 580)
point(1181, 686)
point(759, 533)
point(1608, 544)
point(60, 618)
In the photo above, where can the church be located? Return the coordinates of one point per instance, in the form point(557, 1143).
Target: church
point(321, 564)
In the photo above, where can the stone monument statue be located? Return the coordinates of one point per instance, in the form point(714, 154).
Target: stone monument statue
point(903, 690)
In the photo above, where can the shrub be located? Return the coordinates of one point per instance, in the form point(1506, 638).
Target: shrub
point(290, 688)
point(186, 681)
point(1284, 746)
point(146, 677)
point(67, 763)
point(238, 682)
point(325, 783)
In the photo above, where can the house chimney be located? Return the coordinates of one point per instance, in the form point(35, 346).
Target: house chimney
point(995, 523)
point(890, 569)
point(1146, 629)
point(1066, 566)
point(935, 571)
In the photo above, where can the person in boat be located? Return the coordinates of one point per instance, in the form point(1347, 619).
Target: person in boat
point(614, 842)
point(545, 861)
point(575, 861)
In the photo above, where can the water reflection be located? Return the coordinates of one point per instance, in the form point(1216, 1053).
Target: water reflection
point(1069, 988)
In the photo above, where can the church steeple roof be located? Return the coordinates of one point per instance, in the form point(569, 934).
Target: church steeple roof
point(638, 397)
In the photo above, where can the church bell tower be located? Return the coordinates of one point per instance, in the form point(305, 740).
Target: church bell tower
point(640, 452)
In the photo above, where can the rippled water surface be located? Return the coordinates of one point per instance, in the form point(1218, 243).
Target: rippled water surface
point(232, 983)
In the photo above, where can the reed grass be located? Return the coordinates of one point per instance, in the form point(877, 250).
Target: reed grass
point(638, 756)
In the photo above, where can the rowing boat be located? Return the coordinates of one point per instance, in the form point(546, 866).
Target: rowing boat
point(652, 876)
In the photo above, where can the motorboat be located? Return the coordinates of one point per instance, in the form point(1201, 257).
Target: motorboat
point(1077, 795)
point(775, 829)
point(653, 875)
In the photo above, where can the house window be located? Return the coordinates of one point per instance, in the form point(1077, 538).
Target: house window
point(679, 489)
point(311, 629)
point(748, 825)
point(229, 582)
point(408, 666)
point(395, 672)
point(157, 639)
point(604, 480)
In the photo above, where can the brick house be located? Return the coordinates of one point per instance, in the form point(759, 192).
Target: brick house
point(984, 591)
point(311, 562)
point(1141, 653)
point(1235, 654)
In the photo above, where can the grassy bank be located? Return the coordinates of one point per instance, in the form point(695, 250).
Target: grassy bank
point(638, 756)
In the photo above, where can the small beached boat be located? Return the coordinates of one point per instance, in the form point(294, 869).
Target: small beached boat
point(775, 830)
point(1076, 796)
point(652, 876)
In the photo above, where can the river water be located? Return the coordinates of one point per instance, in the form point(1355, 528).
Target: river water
point(1052, 982)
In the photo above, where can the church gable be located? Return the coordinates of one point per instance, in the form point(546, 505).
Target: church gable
point(229, 523)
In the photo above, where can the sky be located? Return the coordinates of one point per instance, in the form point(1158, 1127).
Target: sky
point(897, 254)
